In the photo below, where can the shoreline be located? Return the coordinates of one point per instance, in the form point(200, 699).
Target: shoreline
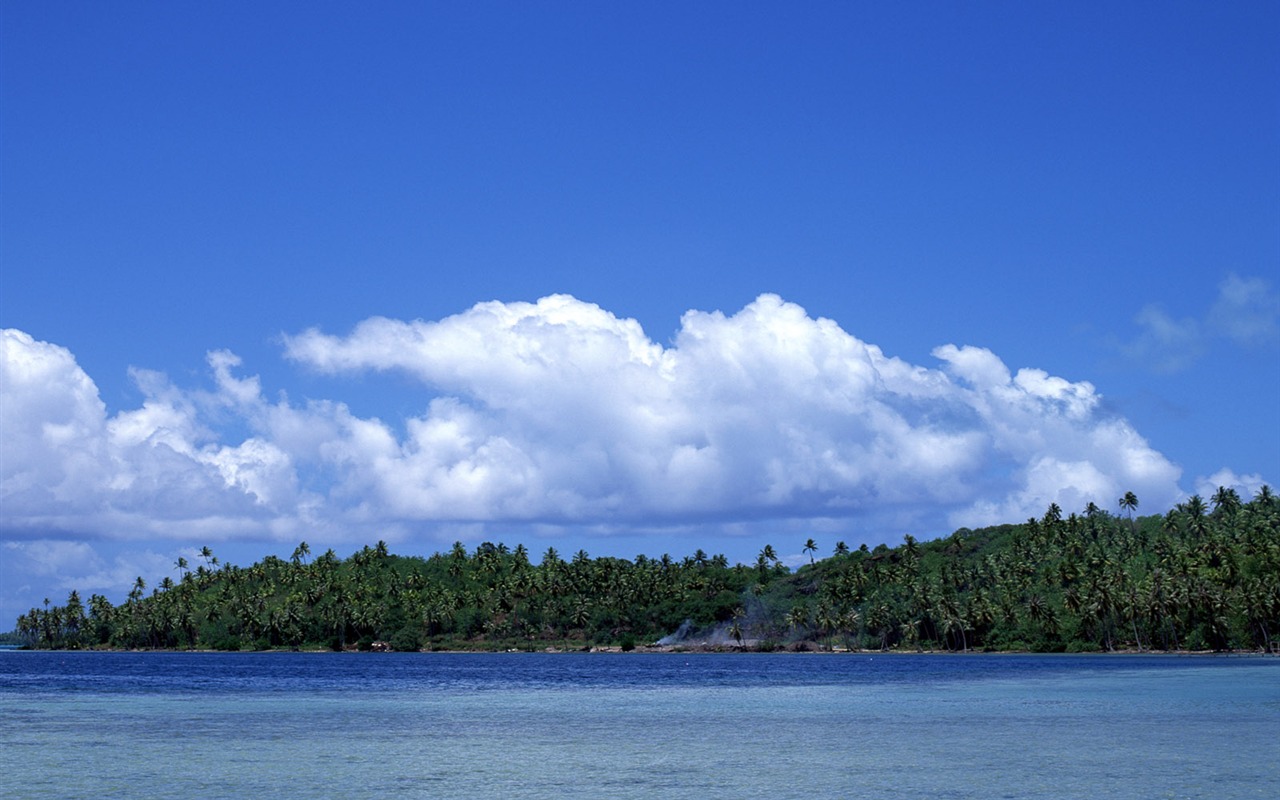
point(683, 650)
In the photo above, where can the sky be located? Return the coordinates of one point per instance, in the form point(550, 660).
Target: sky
point(630, 279)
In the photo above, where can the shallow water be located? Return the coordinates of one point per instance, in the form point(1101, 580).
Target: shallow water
point(634, 725)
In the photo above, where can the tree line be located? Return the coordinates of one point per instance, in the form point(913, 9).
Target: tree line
point(1203, 576)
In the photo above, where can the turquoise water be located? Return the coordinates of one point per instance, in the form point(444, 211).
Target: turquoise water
point(553, 726)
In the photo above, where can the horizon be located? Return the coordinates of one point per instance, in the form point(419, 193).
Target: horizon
point(630, 281)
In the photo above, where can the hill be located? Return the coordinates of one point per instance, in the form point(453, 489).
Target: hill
point(1203, 576)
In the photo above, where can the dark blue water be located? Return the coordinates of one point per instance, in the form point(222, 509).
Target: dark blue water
point(392, 672)
point(565, 725)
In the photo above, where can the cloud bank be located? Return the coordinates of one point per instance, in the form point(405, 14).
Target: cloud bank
point(560, 413)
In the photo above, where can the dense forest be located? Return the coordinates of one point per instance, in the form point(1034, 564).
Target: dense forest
point(1204, 576)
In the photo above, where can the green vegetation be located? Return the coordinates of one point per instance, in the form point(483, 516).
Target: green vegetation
point(1193, 579)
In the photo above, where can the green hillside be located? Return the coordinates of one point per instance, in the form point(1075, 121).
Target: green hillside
point(1204, 576)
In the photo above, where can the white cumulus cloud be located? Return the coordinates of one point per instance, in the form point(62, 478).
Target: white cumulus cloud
point(560, 413)
point(158, 469)
point(1247, 486)
point(558, 410)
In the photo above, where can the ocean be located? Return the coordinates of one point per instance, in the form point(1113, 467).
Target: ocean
point(518, 725)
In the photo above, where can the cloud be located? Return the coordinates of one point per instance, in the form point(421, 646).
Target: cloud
point(155, 470)
point(77, 565)
point(1245, 313)
point(1247, 486)
point(558, 413)
point(53, 423)
point(52, 557)
point(1166, 345)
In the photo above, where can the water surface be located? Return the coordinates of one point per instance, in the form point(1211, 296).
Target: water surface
point(635, 725)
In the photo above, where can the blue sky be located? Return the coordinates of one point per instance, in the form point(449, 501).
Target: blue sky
point(633, 280)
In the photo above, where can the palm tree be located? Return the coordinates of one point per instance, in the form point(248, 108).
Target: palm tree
point(796, 617)
point(1042, 614)
point(735, 629)
point(842, 549)
point(520, 557)
point(1131, 603)
point(849, 621)
point(581, 614)
point(910, 548)
point(1260, 604)
point(1194, 509)
point(73, 620)
point(28, 627)
point(810, 547)
point(826, 620)
point(1226, 501)
point(1053, 514)
point(1129, 503)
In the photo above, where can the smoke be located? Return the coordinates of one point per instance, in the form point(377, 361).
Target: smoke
point(754, 621)
point(679, 636)
point(688, 636)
